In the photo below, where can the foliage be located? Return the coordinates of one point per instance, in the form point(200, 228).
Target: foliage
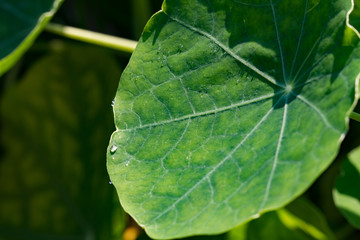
point(242, 121)
point(218, 123)
point(27, 18)
point(346, 196)
point(50, 185)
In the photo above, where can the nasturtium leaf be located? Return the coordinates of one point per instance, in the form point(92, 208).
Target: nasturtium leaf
point(347, 192)
point(53, 181)
point(20, 23)
point(230, 108)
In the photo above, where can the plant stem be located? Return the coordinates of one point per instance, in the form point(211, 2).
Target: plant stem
point(104, 40)
point(355, 116)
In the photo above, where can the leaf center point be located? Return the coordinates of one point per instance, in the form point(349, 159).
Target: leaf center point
point(288, 88)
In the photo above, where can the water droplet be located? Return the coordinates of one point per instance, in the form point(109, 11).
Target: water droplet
point(113, 102)
point(110, 182)
point(113, 149)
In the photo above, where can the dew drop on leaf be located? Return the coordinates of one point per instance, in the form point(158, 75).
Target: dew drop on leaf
point(113, 149)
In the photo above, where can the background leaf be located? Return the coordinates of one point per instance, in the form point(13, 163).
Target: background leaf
point(346, 192)
point(56, 123)
point(355, 15)
point(218, 121)
point(20, 23)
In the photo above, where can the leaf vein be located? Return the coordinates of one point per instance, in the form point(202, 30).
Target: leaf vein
point(219, 164)
point(300, 39)
point(276, 158)
point(226, 49)
point(279, 41)
point(210, 112)
point(175, 145)
point(317, 110)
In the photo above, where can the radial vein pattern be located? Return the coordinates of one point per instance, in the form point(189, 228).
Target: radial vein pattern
point(217, 118)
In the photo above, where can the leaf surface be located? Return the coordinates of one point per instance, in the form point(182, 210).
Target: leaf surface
point(56, 123)
point(346, 192)
point(230, 108)
point(299, 220)
point(21, 22)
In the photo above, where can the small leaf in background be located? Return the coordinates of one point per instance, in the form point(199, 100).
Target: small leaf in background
point(347, 188)
point(305, 216)
point(300, 220)
point(229, 109)
point(20, 23)
point(56, 124)
point(355, 15)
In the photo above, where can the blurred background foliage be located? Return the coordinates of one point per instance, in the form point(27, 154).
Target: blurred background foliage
point(55, 124)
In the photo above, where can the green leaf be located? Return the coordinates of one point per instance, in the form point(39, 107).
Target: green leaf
point(277, 225)
point(56, 123)
point(355, 15)
point(229, 109)
point(305, 216)
point(299, 220)
point(347, 192)
point(20, 23)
